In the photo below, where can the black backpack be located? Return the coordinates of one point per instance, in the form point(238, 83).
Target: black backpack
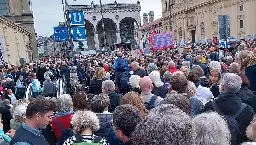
point(124, 80)
point(233, 125)
point(151, 104)
point(66, 133)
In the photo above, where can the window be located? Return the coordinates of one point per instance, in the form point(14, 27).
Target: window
point(241, 24)
point(3, 7)
point(241, 7)
point(166, 5)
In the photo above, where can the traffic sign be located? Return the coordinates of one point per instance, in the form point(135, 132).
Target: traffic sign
point(61, 34)
point(77, 18)
point(79, 33)
point(222, 44)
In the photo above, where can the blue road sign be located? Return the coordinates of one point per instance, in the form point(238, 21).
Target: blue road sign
point(77, 18)
point(61, 34)
point(222, 44)
point(79, 33)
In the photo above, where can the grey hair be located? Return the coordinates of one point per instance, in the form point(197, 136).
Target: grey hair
point(156, 78)
point(231, 82)
point(136, 63)
point(64, 103)
point(172, 64)
point(108, 85)
point(84, 120)
point(215, 65)
point(249, 143)
point(164, 125)
point(191, 89)
point(234, 68)
point(134, 81)
point(167, 76)
point(211, 129)
point(186, 63)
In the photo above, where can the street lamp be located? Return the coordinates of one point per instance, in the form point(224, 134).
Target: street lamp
point(103, 25)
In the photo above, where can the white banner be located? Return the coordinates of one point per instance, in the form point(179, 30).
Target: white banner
point(3, 55)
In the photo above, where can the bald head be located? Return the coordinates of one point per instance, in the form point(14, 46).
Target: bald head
point(146, 84)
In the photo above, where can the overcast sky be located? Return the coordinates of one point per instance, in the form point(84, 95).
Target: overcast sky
point(47, 13)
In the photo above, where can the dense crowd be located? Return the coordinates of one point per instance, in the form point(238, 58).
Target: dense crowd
point(116, 98)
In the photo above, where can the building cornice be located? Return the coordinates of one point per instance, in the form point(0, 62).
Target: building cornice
point(12, 24)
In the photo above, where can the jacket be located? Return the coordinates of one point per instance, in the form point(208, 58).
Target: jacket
point(120, 61)
point(114, 101)
point(250, 73)
point(160, 91)
point(96, 86)
point(229, 104)
point(105, 124)
point(247, 97)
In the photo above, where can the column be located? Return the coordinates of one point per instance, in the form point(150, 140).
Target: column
point(118, 37)
point(96, 39)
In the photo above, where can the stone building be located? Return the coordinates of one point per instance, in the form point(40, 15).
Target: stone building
point(121, 23)
point(201, 19)
point(20, 11)
point(15, 45)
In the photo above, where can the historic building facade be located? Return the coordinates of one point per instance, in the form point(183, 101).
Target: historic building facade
point(15, 44)
point(166, 15)
point(200, 19)
point(20, 12)
point(120, 22)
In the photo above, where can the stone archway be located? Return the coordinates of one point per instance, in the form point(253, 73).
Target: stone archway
point(110, 29)
point(90, 34)
point(128, 30)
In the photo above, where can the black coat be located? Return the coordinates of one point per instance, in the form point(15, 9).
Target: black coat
point(140, 72)
point(247, 97)
point(160, 91)
point(250, 73)
point(6, 117)
point(96, 86)
point(229, 104)
point(114, 101)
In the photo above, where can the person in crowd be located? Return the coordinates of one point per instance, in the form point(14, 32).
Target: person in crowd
point(245, 94)
point(151, 67)
point(179, 82)
point(187, 64)
point(185, 70)
point(234, 68)
point(203, 66)
point(74, 81)
point(202, 93)
point(80, 101)
point(164, 125)
point(134, 99)
point(247, 61)
point(84, 124)
point(179, 100)
point(149, 99)
point(8, 104)
point(158, 88)
point(11, 96)
point(49, 88)
point(48, 73)
point(20, 88)
point(99, 105)
point(108, 88)
point(167, 80)
point(125, 119)
point(172, 67)
point(137, 70)
point(195, 103)
point(10, 84)
point(211, 129)
point(64, 114)
point(135, 83)
point(228, 103)
point(214, 65)
point(6, 139)
point(40, 73)
point(96, 82)
point(6, 117)
point(36, 86)
point(38, 115)
point(19, 113)
point(214, 82)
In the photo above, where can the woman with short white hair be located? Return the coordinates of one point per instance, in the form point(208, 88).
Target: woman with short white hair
point(159, 88)
point(135, 83)
point(215, 65)
point(84, 124)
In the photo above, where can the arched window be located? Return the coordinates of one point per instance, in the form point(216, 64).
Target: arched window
point(166, 5)
point(3, 8)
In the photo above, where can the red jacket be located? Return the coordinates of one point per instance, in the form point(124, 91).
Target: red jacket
point(64, 121)
point(173, 69)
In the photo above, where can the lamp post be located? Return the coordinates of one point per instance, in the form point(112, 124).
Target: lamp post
point(103, 24)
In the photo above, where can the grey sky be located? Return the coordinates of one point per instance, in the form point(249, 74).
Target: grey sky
point(47, 13)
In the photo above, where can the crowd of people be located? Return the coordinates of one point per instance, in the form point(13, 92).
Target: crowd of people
point(162, 98)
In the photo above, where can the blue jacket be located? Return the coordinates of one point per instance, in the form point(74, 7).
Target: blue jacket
point(121, 62)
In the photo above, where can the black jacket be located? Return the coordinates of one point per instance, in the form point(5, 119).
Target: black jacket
point(140, 72)
point(160, 91)
point(114, 101)
point(250, 73)
point(96, 86)
point(6, 117)
point(229, 104)
point(247, 97)
point(105, 125)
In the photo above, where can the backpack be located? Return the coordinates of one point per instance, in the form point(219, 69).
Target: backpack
point(66, 133)
point(233, 125)
point(124, 80)
point(151, 104)
point(121, 65)
point(79, 140)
